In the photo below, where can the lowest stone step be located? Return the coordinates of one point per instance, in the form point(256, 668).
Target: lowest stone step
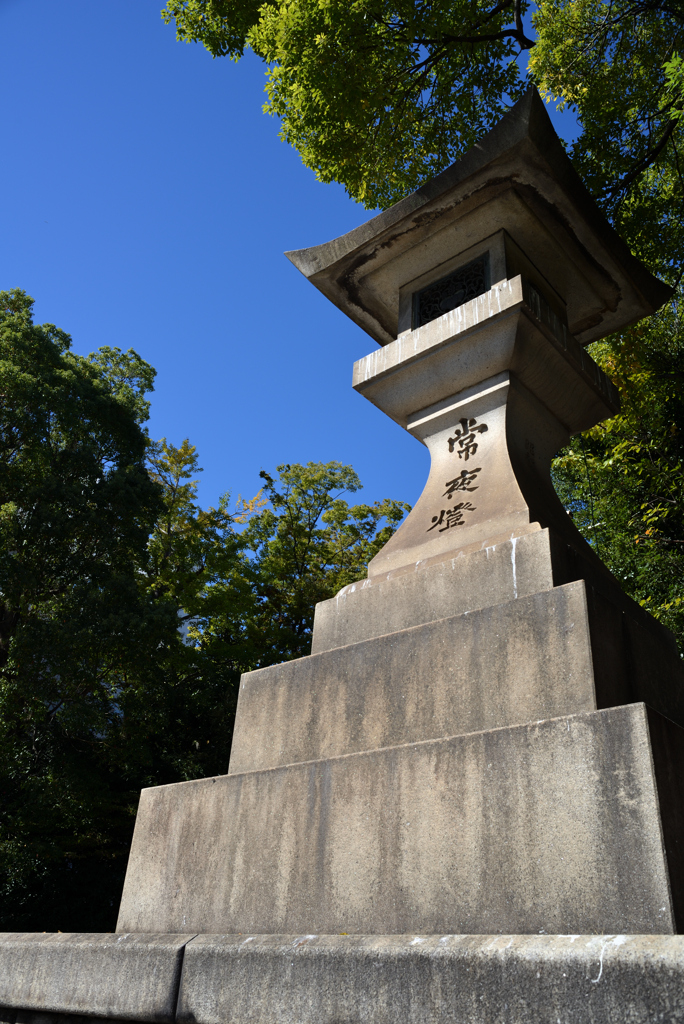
point(565, 825)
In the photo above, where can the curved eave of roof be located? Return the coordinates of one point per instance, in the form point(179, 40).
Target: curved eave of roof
point(527, 120)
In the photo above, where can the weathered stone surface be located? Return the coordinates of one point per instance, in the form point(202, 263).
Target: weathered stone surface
point(432, 979)
point(474, 495)
point(420, 979)
point(551, 826)
point(490, 334)
point(634, 656)
point(117, 976)
point(493, 406)
point(655, 667)
point(8, 1016)
point(476, 579)
point(572, 823)
point(506, 665)
point(667, 745)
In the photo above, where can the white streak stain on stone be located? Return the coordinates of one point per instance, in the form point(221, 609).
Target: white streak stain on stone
point(598, 978)
point(515, 577)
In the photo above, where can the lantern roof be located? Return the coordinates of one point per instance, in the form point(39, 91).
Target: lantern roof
point(516, 183)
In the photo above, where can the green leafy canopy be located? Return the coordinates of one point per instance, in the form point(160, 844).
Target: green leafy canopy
point(376, 95)
point(380, 95)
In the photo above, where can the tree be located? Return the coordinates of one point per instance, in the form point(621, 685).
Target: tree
point(197, 557)
point(381, 96)
point(623, 481)
point(128, 612)
point(76, 509)
point(308, 544)
point(103, 555)
point(377, 96)
point(76, 501)
point(616, 63)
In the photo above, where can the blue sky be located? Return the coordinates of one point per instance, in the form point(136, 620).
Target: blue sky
point(147, 203)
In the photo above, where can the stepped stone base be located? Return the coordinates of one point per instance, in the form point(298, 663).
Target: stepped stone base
point(635, 658)
point(334, 979)
point(479, 670)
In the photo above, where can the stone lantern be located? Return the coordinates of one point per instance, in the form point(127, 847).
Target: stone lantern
point(375, 785)
point(467, 805)
point(483, 288)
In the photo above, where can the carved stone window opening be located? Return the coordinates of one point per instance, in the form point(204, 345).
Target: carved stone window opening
point(451, 291)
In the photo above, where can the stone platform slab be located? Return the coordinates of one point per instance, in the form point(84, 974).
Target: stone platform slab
point(550, 826)
point(119, 977)
point(356, 979)
point(413, 979)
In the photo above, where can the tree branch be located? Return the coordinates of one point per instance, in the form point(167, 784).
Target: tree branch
point(488, 37)
point(524, 42)
point(517, 34)
point(645, 163)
